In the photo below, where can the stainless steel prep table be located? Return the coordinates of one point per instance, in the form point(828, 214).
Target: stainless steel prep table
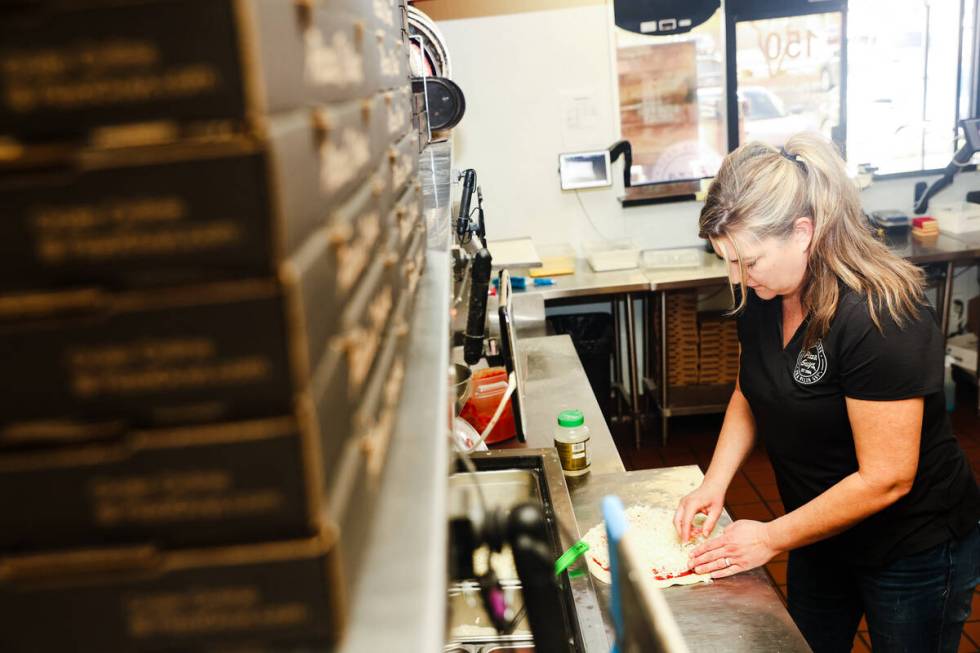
point(621, 288)
point(946, 250)
point(972, 240)
point(738, 614)
point(557, 382)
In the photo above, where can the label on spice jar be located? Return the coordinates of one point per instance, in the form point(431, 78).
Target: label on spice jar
point(574, 456)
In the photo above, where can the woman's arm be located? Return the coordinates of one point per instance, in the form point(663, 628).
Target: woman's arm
point(734, 443)
point(886, 440)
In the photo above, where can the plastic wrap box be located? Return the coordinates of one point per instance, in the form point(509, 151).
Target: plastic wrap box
point(957, 217)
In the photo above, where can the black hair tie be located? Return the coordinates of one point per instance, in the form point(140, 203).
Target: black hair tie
point(795, 158)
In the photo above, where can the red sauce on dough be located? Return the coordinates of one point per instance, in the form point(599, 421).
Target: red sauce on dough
point(656, 573)
point(657, 576)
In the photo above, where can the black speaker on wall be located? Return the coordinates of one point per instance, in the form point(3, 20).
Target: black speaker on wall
point(663, 17)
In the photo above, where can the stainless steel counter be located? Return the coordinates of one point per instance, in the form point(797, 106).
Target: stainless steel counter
point(712, 270)
point(586, 283)
point(739, 614)
point(557, 382)
point(621, 288)
point(942, 249)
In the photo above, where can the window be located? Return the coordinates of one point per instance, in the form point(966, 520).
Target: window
point(888, 80)
point(903, 85)
point(788, 74)
point(669, 90)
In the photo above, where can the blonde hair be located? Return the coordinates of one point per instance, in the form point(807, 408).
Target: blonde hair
point(762, 191)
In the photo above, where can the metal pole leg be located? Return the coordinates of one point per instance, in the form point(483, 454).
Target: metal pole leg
point(632, 364)
point(647, 343)
point(947, 301)
point(617, 359)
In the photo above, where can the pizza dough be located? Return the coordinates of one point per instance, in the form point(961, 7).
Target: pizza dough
point(652, 532)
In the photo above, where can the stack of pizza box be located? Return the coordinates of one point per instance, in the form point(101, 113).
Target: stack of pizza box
point(682, 333)
point(213, 240)
point(718, 349)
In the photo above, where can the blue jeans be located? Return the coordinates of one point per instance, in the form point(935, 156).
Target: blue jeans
point(917, 603)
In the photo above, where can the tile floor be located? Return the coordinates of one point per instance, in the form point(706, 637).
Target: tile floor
point(753, 493)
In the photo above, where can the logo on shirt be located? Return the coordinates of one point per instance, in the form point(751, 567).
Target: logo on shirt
point(811, 365)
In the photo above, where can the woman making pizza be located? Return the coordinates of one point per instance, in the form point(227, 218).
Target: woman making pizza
point(841, 377)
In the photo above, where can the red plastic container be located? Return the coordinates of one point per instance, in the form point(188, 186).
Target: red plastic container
point(488, 388)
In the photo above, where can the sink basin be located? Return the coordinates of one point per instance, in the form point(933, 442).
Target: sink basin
point(507, 478)
point(502, 488)
point(469, 621)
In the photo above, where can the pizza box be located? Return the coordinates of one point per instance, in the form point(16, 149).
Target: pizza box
point(289, 476)
point(276, 596)
point(195, 211)
point(202, 353)
point(71, 69)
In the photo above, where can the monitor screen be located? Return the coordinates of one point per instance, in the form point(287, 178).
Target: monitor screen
point(584, 169)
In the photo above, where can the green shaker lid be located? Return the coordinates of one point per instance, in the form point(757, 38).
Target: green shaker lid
point(571, 418)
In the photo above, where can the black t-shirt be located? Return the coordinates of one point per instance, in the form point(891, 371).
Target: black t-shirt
point(797, 399)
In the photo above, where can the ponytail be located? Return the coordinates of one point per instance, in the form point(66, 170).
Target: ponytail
point(762, 191)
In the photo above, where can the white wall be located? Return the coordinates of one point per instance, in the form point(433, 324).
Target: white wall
point(515, 71)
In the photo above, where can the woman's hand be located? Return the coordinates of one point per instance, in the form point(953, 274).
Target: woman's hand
point(708, 499)
point(744, 545)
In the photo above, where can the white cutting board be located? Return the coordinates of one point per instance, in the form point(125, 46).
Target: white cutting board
point(514, 253)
